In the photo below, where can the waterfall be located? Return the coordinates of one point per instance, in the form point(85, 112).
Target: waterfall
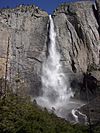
point(56, 94)
point(53, 78)
point(54, 82)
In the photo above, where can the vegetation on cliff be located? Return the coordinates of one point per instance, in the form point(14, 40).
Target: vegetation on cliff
point(18, 115)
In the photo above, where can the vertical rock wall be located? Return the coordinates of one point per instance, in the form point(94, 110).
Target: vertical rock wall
point(25, 30)
point(78, 36)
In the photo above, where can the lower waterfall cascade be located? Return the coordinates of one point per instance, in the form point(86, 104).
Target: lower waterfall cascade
point(56, 95)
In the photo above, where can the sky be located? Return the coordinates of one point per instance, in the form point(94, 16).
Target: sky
point(47, 5)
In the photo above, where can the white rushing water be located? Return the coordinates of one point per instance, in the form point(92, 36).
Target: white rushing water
point(56, 94)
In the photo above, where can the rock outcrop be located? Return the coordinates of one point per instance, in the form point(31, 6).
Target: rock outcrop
point(24, 38)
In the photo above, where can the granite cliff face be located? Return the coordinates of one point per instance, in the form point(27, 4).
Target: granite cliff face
point(26, 29)
point(24, 42)
point(78, 36)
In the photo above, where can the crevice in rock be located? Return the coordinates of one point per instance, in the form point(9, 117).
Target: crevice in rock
point(92, 32)
point(79, 32)
point(74, 47)
point(72, 18)
point(6, 67)
point(87, 42)
point(73, 66)
point(75, 22)
point(35, 59)
point(71, 38)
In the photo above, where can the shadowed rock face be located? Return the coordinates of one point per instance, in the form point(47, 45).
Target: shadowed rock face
point(98, 10)
point(77, 36)
point(26, 28)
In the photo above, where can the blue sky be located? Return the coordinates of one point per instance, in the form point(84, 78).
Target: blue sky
point(47, 5)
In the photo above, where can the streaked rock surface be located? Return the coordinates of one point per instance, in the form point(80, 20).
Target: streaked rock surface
point(25, 28)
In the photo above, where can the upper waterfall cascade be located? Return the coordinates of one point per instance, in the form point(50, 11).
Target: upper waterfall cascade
point(56, 94)
point(53, 78)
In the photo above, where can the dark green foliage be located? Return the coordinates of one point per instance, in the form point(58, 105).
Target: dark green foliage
point(18, 115)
